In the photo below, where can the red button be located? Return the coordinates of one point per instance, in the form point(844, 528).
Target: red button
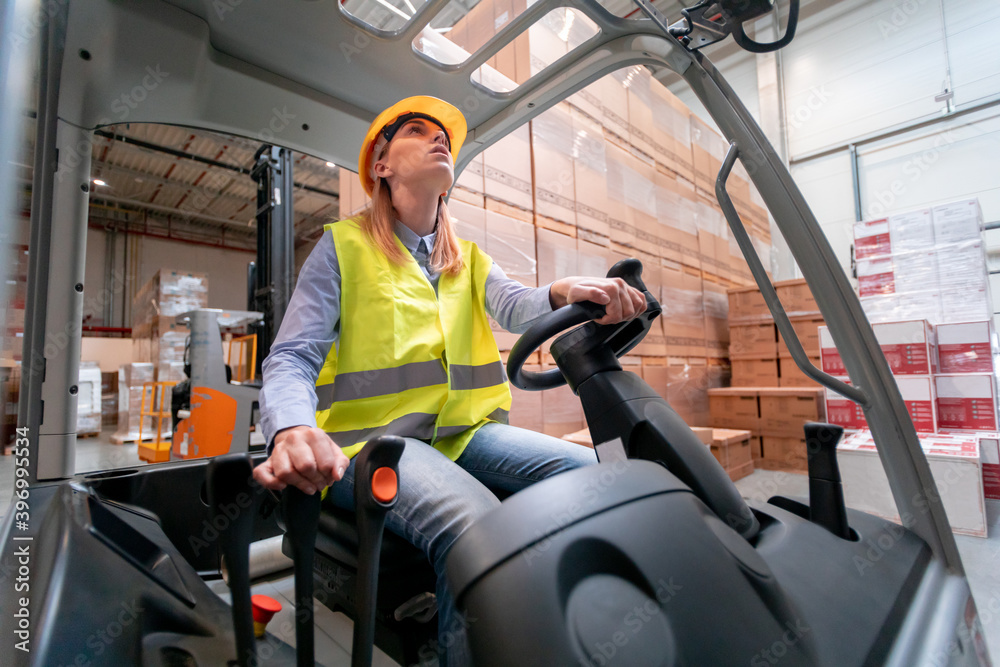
point(384, 484)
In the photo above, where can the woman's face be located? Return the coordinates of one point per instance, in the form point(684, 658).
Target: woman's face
point(418, 156)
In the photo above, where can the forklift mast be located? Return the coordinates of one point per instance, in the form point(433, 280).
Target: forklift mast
point(270, 279)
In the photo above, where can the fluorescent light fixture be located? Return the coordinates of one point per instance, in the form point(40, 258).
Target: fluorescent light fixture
point(98, 181)
point(391, 8)
point(331, 165)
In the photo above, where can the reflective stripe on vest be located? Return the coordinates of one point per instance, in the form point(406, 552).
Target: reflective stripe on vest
point(409, 362)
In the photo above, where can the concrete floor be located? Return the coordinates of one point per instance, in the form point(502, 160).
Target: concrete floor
point(333, 637)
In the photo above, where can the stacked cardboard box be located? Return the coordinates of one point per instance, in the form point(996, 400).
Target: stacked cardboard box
point(88, 415)
point(131, 380)
point(156, 335)
point(924, 264)
point(955, 463)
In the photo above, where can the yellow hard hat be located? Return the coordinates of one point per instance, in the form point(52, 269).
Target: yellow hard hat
point(382, 129)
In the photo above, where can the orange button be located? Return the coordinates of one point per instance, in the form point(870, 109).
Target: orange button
point(384, 484)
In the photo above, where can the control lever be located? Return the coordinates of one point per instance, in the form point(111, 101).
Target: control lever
point(301, 513)
point(376, 486)
point(826, 495)
point(226, 478)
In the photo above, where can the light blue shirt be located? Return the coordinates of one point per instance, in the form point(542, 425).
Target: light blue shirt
point(312, 324)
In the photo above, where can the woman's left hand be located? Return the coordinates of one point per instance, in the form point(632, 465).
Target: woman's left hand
point(621, 302)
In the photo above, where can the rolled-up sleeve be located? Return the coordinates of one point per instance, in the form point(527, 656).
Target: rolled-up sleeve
point(514, 306)
point(310, 326)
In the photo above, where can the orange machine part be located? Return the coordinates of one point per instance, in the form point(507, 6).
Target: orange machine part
point(210, 426)
point(384, 484)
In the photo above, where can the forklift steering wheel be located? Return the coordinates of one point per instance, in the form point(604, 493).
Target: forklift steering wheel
point(620, 337)
point(532, 339)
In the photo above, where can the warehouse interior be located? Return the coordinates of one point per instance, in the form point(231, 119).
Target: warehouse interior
point(886, 113)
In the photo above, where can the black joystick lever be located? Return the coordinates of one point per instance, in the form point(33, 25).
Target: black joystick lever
point(376, 487)
point(826, 495)
point(301, 513)
point(227, 477)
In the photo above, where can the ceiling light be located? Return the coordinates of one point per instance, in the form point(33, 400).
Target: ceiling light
point(98, 181)
point(331, 165)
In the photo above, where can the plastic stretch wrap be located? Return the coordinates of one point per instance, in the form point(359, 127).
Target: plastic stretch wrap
point(671, 120)
point(716, 305)
point(685, 306)
point(549, 38)
point(913, 230)
point(88, 416)
point(687, 389)
point(511, 244)
point(552, 146)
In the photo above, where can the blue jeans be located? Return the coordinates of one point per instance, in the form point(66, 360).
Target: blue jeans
point(439, 499)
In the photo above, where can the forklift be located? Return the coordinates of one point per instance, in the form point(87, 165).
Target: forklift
point(115, 563)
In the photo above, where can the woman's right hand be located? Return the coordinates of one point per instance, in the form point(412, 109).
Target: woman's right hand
point(304, 457)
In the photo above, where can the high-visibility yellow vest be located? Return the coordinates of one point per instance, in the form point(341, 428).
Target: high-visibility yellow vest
point(408, 362)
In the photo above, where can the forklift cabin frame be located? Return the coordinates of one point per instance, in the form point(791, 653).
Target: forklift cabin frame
point(317, 75)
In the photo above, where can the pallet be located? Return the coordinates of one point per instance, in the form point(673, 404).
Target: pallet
point(778, 464)
point(117, 439)
point(87, 435)
point(741, 471)
point(509, 210)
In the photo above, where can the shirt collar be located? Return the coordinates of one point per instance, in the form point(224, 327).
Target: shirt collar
point(410, 239)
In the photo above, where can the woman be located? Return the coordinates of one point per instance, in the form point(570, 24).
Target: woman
point(387, 332)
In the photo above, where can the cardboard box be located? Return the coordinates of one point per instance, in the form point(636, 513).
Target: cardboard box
point(507, 169)
point(918, 394)
point(989, 451)
point(687, 388)
point(683, 305)
point(614, 104)
point(470, 181)
point(671, 132)
point(966, 402)
point(912, 230)
point(561, 410)
point(806, 328)
point(753, 340)
point(871, 239)
point(590, 174)
point(708, 151)
point(965, 347)
point(784, 412)
point(552, 152)
point(731, 448)
point(733, 407)
point(958, 221)
point(955, 465)
point(843, 411)
point(511, 244)
point(526, 406)
point(784, 453)
point(716, 319)
point(747, 303)
point(790, 375)
point(620, 224)
point(909, 347)
point(755, 372)
point(797, 298)
point(876, 276)
point(640, 110)
point(831, 362)
point(470, 222)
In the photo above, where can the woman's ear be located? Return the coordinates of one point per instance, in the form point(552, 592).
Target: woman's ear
point(382, 170)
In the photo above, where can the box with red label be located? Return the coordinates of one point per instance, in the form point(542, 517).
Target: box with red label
point(954, 460)
point(830, 361)
point(908, 346)
point(871, 238)
point(876, 276)
point(918, 394)
point(989, 453)
point(966, 402)
point(965, 347)
point(844, 412)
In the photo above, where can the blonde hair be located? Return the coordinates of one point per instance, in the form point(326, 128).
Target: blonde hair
point(378, 222)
